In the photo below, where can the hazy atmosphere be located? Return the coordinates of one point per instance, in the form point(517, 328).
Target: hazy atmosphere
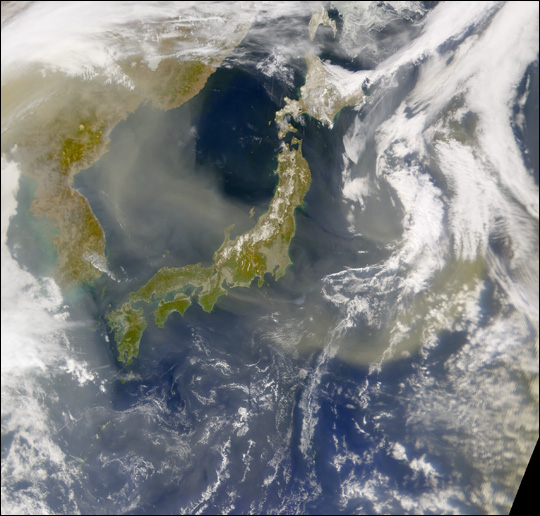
point(391, 369)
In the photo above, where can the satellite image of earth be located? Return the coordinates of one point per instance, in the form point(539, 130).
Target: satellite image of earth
point(269, 257)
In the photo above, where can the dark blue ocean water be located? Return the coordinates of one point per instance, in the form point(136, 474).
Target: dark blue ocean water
point(247, 409)
point(201, 369)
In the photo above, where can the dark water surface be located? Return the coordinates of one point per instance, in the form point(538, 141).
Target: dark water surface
point(279, 401)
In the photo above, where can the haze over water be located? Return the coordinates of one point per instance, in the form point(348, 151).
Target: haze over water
point(394, 369)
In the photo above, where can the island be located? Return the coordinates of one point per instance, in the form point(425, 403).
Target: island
point(59, 124)
point(265, 248)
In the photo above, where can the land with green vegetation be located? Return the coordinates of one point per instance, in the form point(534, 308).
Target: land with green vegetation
point(237, 263)
point(59, 125)
point(262, 250)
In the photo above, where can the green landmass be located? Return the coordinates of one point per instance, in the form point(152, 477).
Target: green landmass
point(83, 142)
point(179, 304)
point(58, 125)
point(265, 248)
point(128, 325)
point(262, 250)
